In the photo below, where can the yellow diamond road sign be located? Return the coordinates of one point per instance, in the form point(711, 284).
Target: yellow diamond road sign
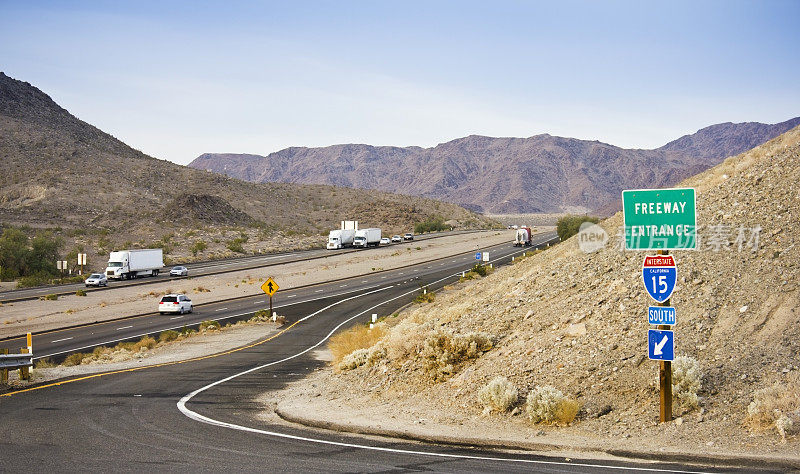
point(270, 287)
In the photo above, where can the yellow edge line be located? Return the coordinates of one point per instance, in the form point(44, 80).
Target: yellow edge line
point(134, 369)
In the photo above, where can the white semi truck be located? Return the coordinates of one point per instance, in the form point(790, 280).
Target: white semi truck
point(341, 238)
point(367, 237)
point(127, 264)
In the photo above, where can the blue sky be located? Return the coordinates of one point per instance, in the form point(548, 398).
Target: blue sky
point(177, 79)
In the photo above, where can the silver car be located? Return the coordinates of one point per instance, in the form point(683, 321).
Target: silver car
point(179, 271)
point(96, 279)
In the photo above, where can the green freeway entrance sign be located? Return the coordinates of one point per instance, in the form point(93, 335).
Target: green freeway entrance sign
point(662, 219)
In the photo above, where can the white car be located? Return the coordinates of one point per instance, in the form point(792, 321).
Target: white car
point(179, 271)
point(397, 238)
point(408, 236)
point(175, 303)
point(386, 241)
point(96, 279)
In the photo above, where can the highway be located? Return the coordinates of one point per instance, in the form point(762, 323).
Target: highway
point(203, 415)
point(213, 267)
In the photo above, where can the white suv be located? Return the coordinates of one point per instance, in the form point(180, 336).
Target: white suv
point(175, 303)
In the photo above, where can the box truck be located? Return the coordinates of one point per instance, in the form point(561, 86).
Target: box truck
point(366, 237)
point(127, 264)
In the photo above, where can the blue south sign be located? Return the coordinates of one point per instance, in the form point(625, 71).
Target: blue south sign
point(659, 274)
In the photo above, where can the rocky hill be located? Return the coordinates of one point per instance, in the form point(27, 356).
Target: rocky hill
point(539, 174)
point(578, 322)
point(60, 173)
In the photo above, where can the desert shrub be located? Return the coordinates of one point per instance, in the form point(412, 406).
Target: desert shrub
point(425, 296)
point(776, 407)
point(353, 339)
point(470, 275)
point(168, 336)
point(50, 297)
point(546, 404)
point(235, 245)
point(201, 289)
point(209, 325)
point(146, 342)
point(80, 293)
point(198, 246)
point(499, 394)
point(45, 363)
point(443, 351)
point(74, 359)
point(99, 351)
point(686, 380)
point(568, 226)
point(431, 224)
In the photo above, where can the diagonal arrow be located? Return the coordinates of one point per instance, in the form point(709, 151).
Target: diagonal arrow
point(269, 285)
point(660, 346)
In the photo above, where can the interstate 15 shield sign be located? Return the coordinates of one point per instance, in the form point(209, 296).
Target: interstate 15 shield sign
point(659, 274)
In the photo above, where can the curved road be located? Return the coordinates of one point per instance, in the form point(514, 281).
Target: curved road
point(203, 414)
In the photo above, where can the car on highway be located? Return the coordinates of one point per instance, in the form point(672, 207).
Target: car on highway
point(179, 271)
point(408, 236)
point(386, 241)
point(96, 279)
point(175, 303)
point(397, 238)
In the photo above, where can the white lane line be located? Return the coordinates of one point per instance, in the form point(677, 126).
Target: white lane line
point(221, 309)
point(124, 327)
point(364, 281)
point(176, 317)
point(342, 286)
point(416, 270)
point(319, 291)
point(291, 296)
point(60, 340)
point(204, 419)
point(383, 278)
point(401, 273)
point(42, 291)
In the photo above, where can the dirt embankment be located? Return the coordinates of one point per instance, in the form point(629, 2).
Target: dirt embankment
point(577, 322)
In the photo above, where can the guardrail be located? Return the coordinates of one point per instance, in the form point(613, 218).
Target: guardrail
point(22, 361)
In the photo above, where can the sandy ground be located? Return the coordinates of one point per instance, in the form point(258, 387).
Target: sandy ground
point(34, 316)
point(210, 342)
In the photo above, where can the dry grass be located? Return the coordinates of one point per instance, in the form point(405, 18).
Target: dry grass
point(350, 340)
point(498, 395)
point(686, 380)
point(776, 407)
point(548, 405)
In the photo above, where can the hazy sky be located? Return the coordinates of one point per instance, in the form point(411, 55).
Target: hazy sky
point(177, 79)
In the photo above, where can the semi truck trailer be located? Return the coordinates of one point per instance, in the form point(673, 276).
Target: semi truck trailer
point(127, 264)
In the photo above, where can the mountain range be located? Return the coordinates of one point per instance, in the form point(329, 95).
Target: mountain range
point(60, 173)
point(538, 174)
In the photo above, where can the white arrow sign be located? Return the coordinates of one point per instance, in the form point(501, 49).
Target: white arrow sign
point(659, 346)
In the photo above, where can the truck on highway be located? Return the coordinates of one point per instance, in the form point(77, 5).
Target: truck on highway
point(127, 264)
point(367, 237)
point(522, 237)
point(343, 237)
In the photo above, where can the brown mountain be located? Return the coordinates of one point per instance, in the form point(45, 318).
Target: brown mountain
point(61, 173)
point(542, 173)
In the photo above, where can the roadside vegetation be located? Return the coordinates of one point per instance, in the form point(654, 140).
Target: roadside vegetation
point(431, 224)
point(569, 225)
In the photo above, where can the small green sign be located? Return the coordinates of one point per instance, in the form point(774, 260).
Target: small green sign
point(662, 219)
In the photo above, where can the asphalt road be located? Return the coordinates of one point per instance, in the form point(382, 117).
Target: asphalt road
point(202, 415)
point(200, 269)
